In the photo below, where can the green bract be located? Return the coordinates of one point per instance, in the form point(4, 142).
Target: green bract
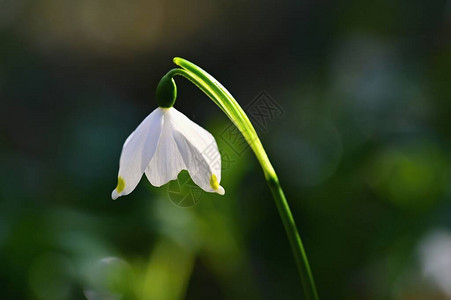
point(166, 92)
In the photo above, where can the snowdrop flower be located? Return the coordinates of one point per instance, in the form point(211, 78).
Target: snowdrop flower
point(167, 142)
point(164, 144)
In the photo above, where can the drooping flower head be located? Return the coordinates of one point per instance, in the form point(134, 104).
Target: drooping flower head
point(167, 142)
point(164, 144)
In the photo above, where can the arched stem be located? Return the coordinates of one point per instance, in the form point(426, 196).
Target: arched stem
point(225, 101)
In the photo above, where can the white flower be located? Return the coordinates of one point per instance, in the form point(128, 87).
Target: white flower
point(165, 143)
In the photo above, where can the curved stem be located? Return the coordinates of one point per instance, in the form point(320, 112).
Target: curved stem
point(197, 82)
point(222, 98)
point(295, 239)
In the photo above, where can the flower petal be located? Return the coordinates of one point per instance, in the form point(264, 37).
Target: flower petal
point(137, 152)
point(167, 162)
point(199, 151)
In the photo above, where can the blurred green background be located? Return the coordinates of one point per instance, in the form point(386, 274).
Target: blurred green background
point(361, 143)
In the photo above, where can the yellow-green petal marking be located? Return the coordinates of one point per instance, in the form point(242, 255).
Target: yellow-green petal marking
point(120, 184)
point(214, 182)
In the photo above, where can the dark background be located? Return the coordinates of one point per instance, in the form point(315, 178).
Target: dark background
point(362, 149)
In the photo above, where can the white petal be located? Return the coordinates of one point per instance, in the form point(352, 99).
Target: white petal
point(167, 162)
point(137, 152)
point(199, 151)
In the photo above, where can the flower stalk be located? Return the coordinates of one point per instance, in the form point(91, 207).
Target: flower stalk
point(225, 101)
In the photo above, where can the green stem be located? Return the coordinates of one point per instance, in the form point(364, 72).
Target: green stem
point(222, 98)
point(295, 239)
